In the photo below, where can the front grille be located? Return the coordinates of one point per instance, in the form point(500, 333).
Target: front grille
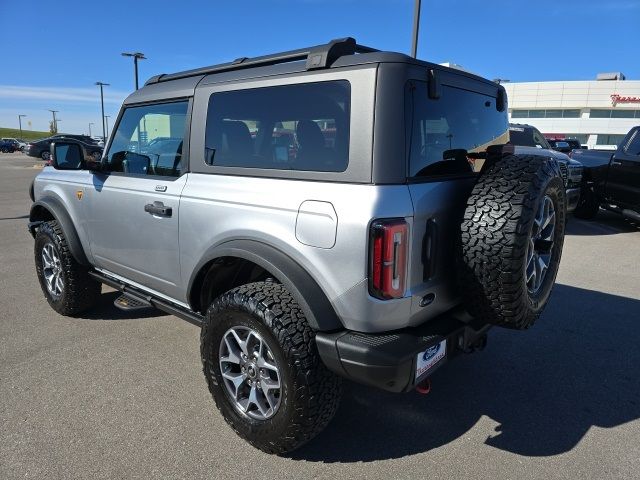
point(564, 172)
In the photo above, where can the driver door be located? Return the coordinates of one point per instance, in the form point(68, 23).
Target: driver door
point(135, 201)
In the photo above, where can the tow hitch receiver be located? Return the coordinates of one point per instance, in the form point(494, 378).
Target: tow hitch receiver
point(424, 387)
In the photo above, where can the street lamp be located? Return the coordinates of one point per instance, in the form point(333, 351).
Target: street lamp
point(90, 123)
point(416, 26)
point(55, 122)
point(501, 80)
point(20, 123)
point(101, 85)
point(136, 56)
point(106, 117)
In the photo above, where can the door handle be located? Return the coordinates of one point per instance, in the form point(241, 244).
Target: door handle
point(614, 162)
point(159, 209)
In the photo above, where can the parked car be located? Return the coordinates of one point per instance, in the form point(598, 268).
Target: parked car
point(612, 179)
point(41, 147)
point(374, 253)
point(529, 136)
point(20, 143)
point(8, 146)
point(82, 138)
point(559, 144)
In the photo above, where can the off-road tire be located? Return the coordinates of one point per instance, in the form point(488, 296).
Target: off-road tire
point(588, 205)
point(310, 393)
point(80, 291)
point(495, 233)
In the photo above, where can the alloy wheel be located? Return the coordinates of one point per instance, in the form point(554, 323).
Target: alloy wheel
point(540, 249)
point(251, 375)
point(52, 270)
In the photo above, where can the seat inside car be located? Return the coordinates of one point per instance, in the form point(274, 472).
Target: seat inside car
point(312, 151)
point(235, 143)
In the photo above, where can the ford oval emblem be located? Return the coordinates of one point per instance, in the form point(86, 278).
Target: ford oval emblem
point(430, 352)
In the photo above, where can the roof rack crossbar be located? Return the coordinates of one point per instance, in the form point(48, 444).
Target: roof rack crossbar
point(320, 56)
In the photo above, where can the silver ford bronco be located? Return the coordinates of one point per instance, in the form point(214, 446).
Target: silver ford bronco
point(334, 211)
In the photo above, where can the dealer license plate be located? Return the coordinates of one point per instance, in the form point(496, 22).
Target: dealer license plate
point(430, 358)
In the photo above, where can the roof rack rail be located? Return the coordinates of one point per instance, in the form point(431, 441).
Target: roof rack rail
point(320, 56)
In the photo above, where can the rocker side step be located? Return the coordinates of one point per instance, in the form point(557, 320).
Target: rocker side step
point(130, 303)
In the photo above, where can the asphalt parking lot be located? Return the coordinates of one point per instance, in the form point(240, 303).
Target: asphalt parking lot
point(113, 396)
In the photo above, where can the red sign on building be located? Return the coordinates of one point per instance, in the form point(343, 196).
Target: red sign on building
point(615, 99)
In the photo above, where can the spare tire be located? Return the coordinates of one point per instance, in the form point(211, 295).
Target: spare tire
point(511, 237)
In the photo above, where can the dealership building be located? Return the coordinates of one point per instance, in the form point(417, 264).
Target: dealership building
point(598, 113)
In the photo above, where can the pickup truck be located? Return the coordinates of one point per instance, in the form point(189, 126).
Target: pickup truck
point(523, 135)
point(611, 181)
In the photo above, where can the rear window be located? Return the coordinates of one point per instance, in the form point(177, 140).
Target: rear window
point(526, 137)
point(294, 127)
point(441, 131)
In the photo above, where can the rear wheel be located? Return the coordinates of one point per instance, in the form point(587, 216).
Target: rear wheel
point(512, 237)
point(65, 283)
point(263, 369)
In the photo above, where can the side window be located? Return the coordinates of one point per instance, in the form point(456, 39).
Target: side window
point(149, 140)
point(634, 145)
point(441, 132)
point(539, 140)
point(294, 127)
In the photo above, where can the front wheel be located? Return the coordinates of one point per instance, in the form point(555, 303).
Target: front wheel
point(65, 283)
point(45, 155)
point(262, 366)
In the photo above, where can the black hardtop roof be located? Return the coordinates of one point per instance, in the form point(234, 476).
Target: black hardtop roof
point(337, 53)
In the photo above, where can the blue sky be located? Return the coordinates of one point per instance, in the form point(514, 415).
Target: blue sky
point(58, 53)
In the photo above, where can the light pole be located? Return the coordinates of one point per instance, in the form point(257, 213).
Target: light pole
point(136, 56)
point(20, 123)
point(55, 123)
point(106, 117)
point(501, 80)
point(90, 123)
point(416, 27)
point(101, 85)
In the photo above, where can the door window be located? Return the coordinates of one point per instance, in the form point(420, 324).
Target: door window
point(634, 145)
point(149, 140)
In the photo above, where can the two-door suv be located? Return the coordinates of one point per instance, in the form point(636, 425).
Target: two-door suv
point(329, 212)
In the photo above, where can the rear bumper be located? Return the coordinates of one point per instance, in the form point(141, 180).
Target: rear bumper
point(389, 360)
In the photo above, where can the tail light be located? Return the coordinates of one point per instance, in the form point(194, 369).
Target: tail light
point(388, 258)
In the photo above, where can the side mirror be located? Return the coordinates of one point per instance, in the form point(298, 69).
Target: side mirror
point(66, 156)
point(72, 156)
point(501, 99)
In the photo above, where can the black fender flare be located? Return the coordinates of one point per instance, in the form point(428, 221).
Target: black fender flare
point(57, 210)
point(306, 291)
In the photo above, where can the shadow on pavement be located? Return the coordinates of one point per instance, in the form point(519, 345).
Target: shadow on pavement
point(106, 310)
point(545, 387)
point(15, 218)
point(605, 223)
